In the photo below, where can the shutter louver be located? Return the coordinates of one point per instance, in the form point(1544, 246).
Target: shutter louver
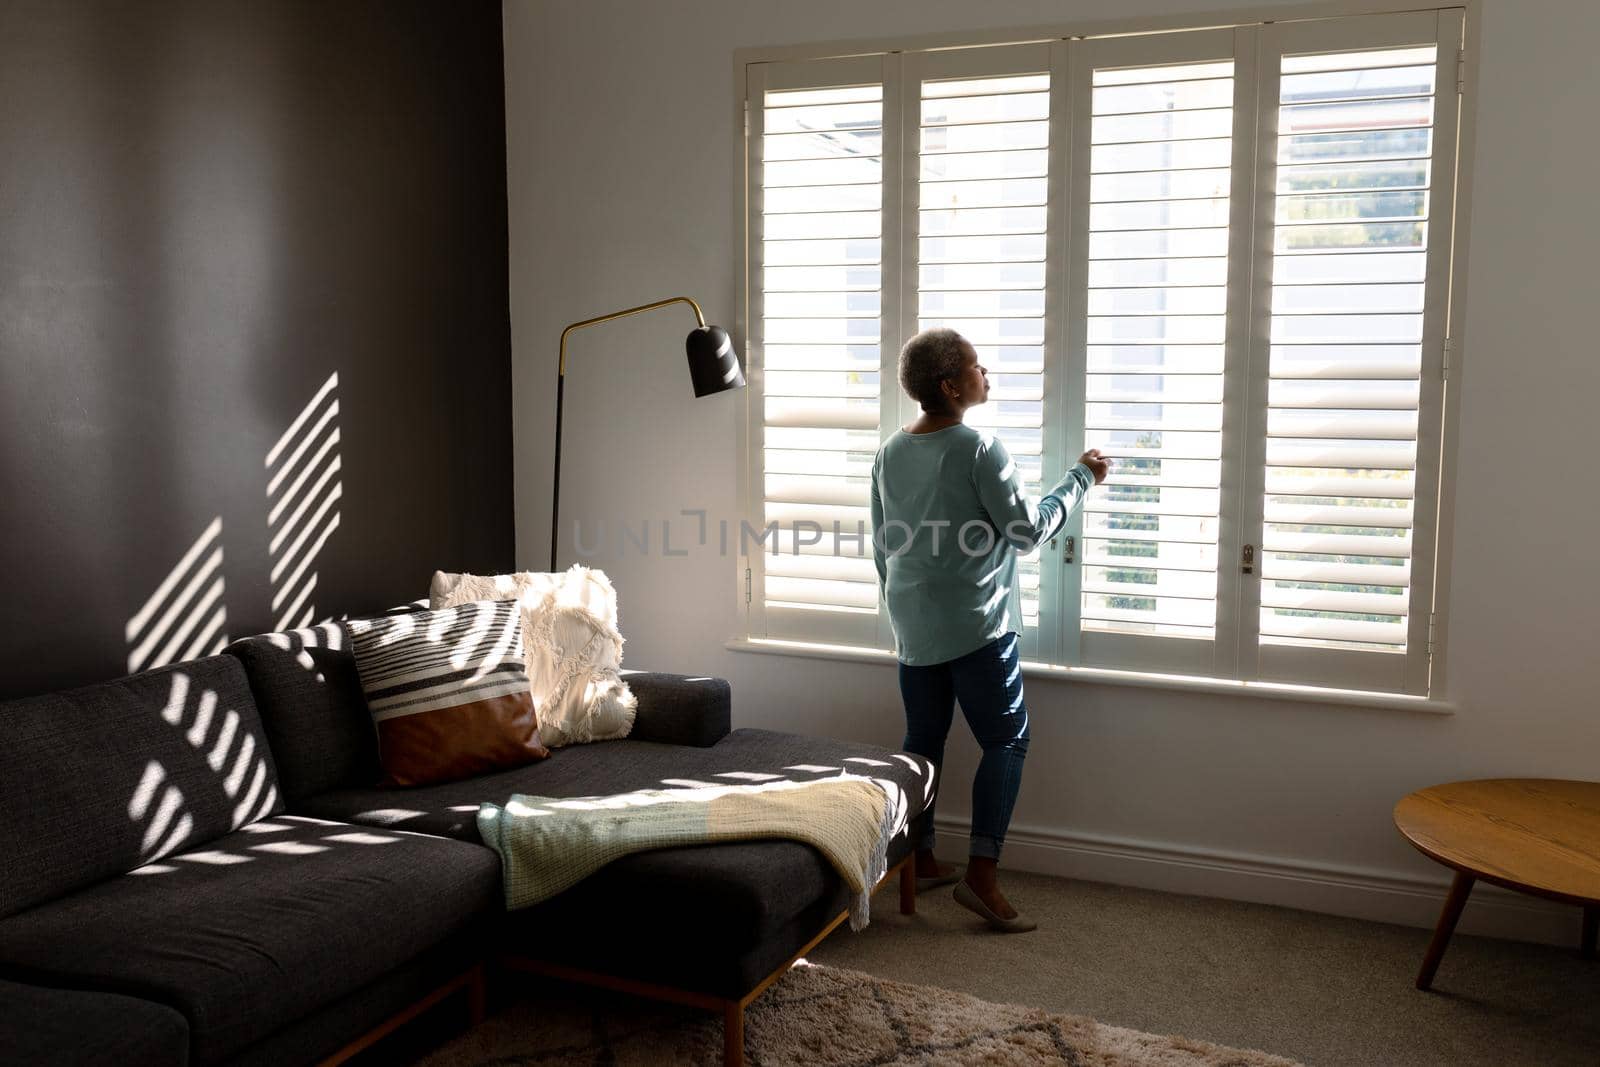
point(1160, 150)
point(983, 188)
point(820, 256)
point(1349, 272)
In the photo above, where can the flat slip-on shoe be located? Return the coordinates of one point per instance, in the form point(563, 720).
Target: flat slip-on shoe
point(925, 884)
point(970, 900)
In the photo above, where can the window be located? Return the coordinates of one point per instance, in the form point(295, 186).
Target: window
point(1221, 256)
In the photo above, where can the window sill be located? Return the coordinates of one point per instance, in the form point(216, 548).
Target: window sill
point(1100, 676)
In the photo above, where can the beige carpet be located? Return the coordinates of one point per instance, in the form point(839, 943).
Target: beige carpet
point(1324, 990)
point(823, 1016)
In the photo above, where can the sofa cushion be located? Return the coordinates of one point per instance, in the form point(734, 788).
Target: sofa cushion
point(97, 781)
point(309, 696)
point(43, 1025)
point(260, 927)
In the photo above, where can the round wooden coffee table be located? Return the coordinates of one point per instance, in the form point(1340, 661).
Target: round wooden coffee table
point(1535, 835)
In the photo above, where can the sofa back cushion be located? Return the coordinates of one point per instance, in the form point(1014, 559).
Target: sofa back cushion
point(309, 693)
point(100, 780)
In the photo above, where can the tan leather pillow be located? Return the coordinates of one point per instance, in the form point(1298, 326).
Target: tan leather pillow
point(449, 691)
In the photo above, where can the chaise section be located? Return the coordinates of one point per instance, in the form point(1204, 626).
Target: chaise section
point(259, 928)
point(44, 1025)
point(715, 919)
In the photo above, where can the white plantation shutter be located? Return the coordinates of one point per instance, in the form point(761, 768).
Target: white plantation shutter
point(1359, 122)
point(1220, 256)
point(1158, 206)
point(978, 189)
point(817, 295)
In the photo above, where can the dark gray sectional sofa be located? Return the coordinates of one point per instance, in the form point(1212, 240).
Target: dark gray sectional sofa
point(199, 867)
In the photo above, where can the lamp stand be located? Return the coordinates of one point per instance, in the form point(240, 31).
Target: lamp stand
point(561, 382)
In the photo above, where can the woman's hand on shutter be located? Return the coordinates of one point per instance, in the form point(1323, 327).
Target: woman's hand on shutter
point(1098, 466)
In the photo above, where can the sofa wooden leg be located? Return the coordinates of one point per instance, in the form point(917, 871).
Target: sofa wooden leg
point(733, 1034)
point(908, 887)
point(476, 996)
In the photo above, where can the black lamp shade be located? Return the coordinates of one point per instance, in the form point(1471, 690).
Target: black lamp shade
point(713, 364)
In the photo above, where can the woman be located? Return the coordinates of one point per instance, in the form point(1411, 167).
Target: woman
point(949, 516)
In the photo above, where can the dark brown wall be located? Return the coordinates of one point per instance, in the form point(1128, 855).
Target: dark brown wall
point(207, 209)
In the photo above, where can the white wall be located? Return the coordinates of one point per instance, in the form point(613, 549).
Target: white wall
point(621, 151)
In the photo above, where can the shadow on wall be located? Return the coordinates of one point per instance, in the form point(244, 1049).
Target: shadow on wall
point(303, 491)
point(185, 616)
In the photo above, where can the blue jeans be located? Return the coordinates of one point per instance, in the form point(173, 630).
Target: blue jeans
point(988, 683)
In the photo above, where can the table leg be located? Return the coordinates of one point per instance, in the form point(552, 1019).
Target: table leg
point(1447, 925)
point(1591, 930)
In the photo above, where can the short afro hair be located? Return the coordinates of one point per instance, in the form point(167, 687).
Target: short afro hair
point(929, 358)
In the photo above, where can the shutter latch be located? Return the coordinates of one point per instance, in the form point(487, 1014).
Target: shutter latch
point(1071, 549)
point(1247, 560)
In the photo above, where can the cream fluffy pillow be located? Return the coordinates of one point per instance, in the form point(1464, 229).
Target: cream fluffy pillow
point(571, 644)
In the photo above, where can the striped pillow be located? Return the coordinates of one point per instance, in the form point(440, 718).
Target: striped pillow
point(448, 690)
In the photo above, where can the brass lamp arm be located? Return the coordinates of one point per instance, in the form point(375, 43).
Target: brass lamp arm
point(561, 385)
point(699, 316)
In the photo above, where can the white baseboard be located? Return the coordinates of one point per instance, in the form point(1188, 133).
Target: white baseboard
point(1359, 893)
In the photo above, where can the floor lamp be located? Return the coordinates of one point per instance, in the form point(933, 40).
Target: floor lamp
point(713, 368)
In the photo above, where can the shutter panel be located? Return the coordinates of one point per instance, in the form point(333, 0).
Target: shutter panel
point(1358, 135)
point(978, 182)
point(1156, 266)
point(817, 229)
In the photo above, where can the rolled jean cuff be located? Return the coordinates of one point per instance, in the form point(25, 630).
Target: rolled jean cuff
point(984, 846)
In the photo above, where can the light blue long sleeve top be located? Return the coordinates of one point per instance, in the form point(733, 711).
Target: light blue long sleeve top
point(949, 516)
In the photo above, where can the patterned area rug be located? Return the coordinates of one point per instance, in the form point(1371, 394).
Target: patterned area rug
point(823, 1016)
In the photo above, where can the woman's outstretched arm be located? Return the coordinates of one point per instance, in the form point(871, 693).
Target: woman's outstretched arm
point(1021, 521)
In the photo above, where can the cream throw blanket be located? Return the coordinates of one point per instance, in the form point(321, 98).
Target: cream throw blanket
point(548, 845)
point(571, 644)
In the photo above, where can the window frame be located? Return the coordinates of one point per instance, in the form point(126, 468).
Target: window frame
point(902, 63)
